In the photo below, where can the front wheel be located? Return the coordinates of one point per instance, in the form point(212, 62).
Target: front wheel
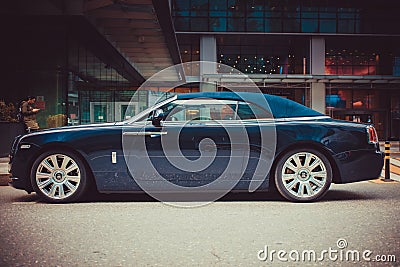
point(59, 176)
point(303, 175)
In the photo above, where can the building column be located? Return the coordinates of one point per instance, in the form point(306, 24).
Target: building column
point(317, 67)
point(208, 52)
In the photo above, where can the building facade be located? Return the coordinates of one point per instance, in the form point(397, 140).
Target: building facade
point(86, 58)
point(339, 57)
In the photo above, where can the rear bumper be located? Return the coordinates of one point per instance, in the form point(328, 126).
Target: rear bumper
point(359, 165)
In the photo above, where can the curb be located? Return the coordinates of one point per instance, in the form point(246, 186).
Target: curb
point(381, 181)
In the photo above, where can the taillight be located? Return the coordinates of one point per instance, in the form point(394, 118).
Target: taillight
point(372, 136)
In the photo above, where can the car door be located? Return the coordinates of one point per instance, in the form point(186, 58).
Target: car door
point(194, 147)
point(261, 134)
point(199, 142)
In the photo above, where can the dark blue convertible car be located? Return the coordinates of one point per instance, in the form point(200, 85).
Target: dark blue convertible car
point(222, 141)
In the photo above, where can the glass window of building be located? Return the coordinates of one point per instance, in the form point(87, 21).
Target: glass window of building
point(189, 47)
point(262, 55)
point(346, 102)
point(303, 16)
point(361, 56)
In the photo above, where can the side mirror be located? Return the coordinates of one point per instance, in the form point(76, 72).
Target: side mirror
point(158, 116)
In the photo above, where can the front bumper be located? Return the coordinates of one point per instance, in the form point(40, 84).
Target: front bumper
point(19, 177)
point(20, 166)
point(20, 184)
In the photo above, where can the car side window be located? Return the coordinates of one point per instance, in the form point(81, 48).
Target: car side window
point(249, 111)
point(200, 109)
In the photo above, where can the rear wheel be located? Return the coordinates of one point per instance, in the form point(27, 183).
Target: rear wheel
point(303, 175)
point(59, 176)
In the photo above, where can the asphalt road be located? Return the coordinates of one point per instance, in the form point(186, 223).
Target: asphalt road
point(131, 230)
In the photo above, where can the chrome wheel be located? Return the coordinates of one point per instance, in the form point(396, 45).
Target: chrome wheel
point(58, 176)
point(303, 175)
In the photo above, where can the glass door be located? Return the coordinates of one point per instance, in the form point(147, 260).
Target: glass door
point(101, 112)
point(121, 110)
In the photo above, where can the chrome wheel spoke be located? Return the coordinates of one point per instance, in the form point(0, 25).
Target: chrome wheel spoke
point(307, 160)
point(317, 182)
point(300, 190)
point(41, 175)
point(321, 174)
point(310, 191)
point(64, 163)
point(71, 168)
point(45, 163)
point(290, 166)
point(54, 161)
point(288, 176)
point(44, 183)
point(316, 163)
point(52, 191)
point(296, 159)
point(73, 178)
point(61, 193)
point(70, 186)
point(290, 185)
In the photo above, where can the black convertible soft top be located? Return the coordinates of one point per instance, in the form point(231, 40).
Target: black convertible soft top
point(279, 106)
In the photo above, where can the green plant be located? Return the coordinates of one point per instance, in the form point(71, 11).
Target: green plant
point(7, 112)
point(57, 120)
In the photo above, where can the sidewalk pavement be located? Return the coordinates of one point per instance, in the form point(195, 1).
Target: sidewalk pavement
point(4, 175)
point(394, 147)
point(394, 168)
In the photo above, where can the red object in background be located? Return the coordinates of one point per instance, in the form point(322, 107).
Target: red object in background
point(40, 105)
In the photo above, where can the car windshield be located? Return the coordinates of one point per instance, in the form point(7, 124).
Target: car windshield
point(145, 113)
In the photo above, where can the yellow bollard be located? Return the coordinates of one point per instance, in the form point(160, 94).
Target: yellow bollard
point(387, 162)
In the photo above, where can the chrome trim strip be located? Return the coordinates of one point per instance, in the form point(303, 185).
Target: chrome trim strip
point(144, 133)
point(226, 123)
point(303, 118)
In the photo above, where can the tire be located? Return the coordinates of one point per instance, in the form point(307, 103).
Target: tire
point(59, 176)
point(303, 175)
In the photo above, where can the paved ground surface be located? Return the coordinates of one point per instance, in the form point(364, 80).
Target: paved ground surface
point(4, 175)
point(129, 230)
